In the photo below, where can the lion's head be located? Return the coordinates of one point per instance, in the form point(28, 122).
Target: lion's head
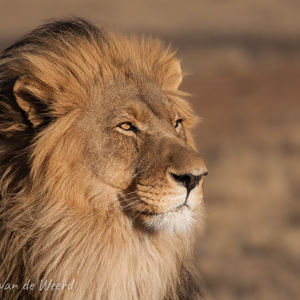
point(93, 122)
point(106, 111)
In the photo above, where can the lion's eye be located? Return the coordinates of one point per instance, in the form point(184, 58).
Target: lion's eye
point(127, 126)
point(178, 124)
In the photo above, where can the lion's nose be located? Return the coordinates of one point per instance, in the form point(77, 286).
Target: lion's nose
point(189, 180)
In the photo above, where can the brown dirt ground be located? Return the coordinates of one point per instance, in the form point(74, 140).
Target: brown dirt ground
point(250, 140)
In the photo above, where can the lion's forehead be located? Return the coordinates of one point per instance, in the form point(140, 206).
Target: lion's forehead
point(144, 102)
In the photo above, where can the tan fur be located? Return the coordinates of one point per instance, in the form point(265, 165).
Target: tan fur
point(81, 198)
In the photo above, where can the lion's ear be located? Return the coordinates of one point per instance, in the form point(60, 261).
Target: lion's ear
point(32, 95)
point(174, 76)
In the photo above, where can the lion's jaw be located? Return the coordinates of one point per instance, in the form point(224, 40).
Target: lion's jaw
point(179, 217)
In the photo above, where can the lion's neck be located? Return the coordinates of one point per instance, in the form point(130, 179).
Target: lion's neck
point(106, 257)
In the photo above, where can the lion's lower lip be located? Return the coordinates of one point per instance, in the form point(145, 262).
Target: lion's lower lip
point(149, 213)
point(176, 209)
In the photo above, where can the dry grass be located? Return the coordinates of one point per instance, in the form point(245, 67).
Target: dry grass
point(252, 148)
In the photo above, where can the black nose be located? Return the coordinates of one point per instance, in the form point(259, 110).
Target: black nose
point(189, 180)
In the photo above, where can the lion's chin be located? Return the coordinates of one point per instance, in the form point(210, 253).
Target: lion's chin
point(177, 221)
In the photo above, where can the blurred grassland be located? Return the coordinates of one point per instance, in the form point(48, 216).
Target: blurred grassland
point(244, 63)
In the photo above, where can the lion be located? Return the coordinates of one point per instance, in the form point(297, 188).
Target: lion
point(101, 184)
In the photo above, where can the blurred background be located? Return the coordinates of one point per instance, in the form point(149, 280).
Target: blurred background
point(243, 60)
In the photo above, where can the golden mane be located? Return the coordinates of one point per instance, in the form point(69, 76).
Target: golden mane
point(47, 230)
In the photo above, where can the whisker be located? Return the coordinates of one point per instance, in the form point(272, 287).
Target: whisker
point(128, 205)
point(113, 193)
point(138, 214)
point(123, 208)
point(132, 197)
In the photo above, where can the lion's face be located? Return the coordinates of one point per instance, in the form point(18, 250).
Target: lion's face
point(137, 144)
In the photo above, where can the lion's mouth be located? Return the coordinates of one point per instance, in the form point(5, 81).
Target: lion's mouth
point(179, 219)
point(177, 209)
